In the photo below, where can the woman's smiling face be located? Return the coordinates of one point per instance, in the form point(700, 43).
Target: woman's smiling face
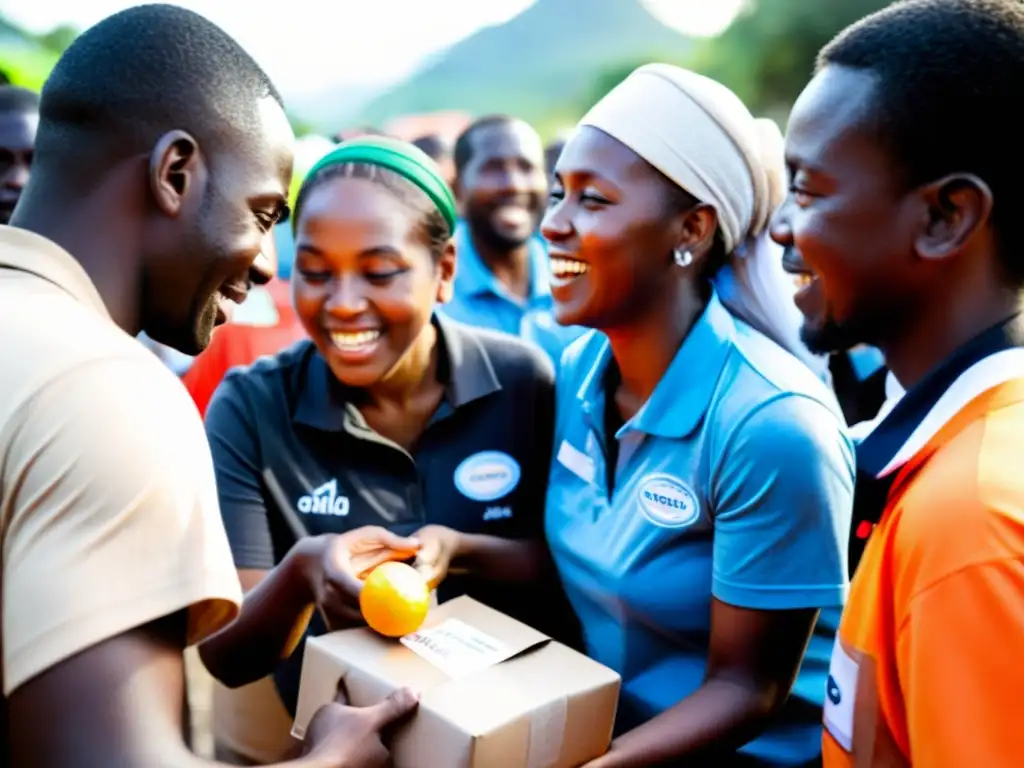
point(365, 282)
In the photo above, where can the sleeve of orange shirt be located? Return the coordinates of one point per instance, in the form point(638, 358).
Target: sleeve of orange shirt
point(959, 657)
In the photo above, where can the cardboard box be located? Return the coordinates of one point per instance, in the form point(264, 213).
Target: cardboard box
point(494, 692)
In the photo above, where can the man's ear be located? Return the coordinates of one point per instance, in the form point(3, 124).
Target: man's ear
point(958, 206)
point(176, 171)
point(447, 265)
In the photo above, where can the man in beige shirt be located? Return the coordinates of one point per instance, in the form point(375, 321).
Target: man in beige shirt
point(162, 162)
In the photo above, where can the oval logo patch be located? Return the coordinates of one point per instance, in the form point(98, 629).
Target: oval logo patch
point(487, 476)
point(668, 502)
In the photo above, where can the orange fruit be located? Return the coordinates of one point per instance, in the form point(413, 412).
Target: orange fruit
point(395, 599)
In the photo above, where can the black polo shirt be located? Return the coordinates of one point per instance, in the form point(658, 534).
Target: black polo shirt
point(294, 457)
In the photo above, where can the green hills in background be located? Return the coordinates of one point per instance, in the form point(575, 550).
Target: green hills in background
point(547, 65)
point(543, 65)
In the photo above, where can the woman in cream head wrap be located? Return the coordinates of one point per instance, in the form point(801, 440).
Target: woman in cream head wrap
point(699, 503)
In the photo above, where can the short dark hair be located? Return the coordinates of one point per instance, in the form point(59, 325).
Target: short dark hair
point(14, 98)
point(139, 73)
point(433, 145)
point(947, 75)
point(464, 144)
point(351, 133)
point(433, 226)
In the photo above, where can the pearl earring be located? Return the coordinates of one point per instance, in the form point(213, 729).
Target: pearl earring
point(683, 258)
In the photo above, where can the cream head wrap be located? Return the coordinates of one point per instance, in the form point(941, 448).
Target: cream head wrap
point(701, 136)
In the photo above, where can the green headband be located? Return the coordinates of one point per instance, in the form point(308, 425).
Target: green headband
point(406, 160)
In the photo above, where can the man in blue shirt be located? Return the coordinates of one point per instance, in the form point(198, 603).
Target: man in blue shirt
point(502, 280)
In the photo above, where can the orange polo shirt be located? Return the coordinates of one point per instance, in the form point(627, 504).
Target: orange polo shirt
point(927, 669)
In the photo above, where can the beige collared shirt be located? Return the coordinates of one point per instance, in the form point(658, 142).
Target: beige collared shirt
point(108, 506)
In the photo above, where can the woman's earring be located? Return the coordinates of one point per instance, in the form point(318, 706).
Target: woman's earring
point(683, 258)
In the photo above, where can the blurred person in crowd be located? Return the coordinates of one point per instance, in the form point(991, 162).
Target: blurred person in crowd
point(692, 447)
point(503, 277)
point(552, 152)
point(114, 554)
point(385, 410)
point(440, 151)
point(902, 218)
point(353, 133)
point(265, 323)
point(19, 120)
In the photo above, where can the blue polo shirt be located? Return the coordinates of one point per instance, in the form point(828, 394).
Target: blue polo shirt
point(735, 480)
point(482, 300)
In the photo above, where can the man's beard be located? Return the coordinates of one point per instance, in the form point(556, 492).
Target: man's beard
point(189, 337)
point(483, 230)
point(189, 334)
point(829, 336)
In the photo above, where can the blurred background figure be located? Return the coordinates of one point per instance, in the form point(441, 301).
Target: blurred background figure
point(553, 151)
point(440, 151)
point(503, 276)
point(353, 133)
point(19, 119)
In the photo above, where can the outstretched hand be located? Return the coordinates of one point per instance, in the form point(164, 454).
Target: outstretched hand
point(335, 577)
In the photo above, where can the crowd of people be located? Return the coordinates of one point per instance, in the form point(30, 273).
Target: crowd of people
point(756, 399)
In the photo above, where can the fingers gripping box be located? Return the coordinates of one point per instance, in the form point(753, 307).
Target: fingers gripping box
point(494, 693)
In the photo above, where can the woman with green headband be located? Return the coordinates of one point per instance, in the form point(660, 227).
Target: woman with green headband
point(390, 415)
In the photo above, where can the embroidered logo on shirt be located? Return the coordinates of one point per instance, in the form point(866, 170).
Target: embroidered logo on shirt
point(324, 501)
point(487, 476)
point(497, 513)
point(667, 501)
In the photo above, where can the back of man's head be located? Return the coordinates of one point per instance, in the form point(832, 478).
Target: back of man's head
point(18, 100)
point(434, 146)
point(947, 73)
point(138, 74)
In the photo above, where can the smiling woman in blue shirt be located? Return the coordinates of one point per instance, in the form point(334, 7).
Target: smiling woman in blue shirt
point(701, 492)
point(388, 415)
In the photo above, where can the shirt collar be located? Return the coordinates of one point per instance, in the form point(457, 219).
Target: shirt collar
point(683, 395)
point(464, 367)
point(990, 359)
point(473, 278)
point(34, 254)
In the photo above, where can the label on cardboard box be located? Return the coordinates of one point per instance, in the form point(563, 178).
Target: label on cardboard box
point(456, 648)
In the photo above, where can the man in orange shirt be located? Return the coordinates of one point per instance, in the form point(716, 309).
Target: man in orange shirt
point(905, 188)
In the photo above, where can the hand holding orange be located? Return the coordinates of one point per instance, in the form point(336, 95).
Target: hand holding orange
point(394, 599)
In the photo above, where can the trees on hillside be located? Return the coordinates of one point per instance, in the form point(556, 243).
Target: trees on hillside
point(767, 54)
